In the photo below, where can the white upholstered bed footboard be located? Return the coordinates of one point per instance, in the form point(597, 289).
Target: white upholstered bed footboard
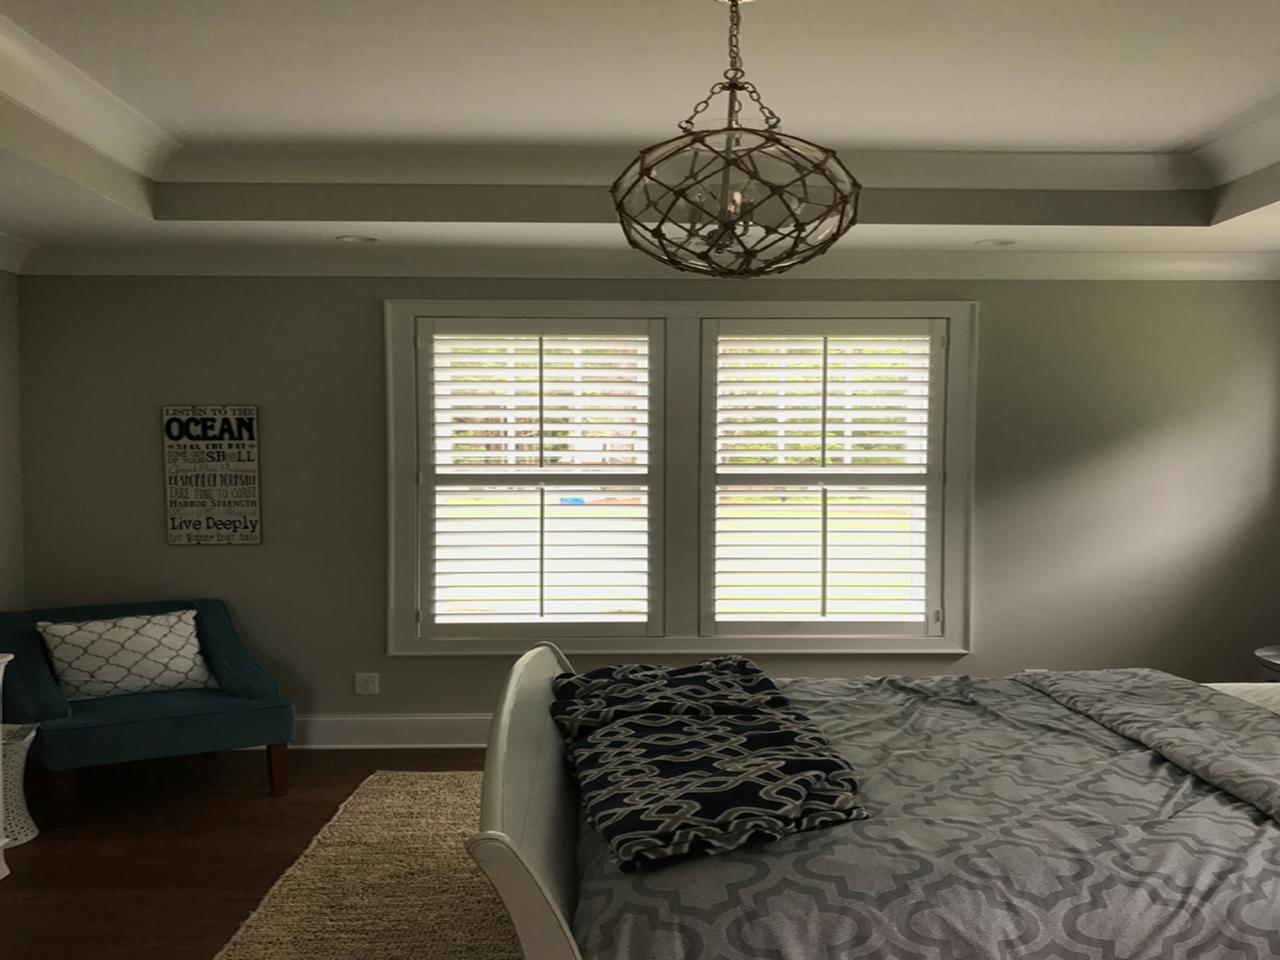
point(529, 811)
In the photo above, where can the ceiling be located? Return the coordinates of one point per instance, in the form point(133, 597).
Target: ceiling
point(1092, 75)
point(1142, 126)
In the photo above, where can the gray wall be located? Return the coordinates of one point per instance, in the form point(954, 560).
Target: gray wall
point(12, 589)
point(1126, 467)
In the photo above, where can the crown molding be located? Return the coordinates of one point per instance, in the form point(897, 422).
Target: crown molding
point(624, 264)
point(559, 203)
point(1242, 149)
point(38, 142)
point(40, 80)
point(973, 170)
point(1251, 192)
point(55, 117)
point(582, 165)
point(36, 78)
point(13, 253)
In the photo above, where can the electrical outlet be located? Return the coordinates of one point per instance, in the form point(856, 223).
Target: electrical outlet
point(366, 684)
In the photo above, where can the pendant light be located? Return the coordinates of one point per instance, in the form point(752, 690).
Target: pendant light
point(736, 201)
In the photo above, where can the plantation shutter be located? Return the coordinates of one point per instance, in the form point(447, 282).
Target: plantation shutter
point(860, 404)
point(533, 402)
point(520, 554)
point(540, 503)
point(827, 473)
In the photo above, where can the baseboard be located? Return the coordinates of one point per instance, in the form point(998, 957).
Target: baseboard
point(331, 731)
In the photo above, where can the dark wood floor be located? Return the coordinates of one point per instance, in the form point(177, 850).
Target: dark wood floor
point(166, 858)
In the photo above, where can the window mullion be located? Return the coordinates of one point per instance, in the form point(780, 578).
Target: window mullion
point(822, 431)
point(830, 476)
point(822, 447)
point(542, 425)
point(533, 478)
point(542, 552)
point(823, 566)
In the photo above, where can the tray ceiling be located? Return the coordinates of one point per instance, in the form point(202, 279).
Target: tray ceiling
point(1089, 126)
point(1089, 75)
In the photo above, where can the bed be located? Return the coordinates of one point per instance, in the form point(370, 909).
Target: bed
point(1061, 816)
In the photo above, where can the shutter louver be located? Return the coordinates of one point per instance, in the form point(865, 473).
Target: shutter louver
point(486, 554)
point(875, 553)
point(768, 553)
point(595, 555)
point(787, 404)
point(530, 553)
point(773, 562)
point(566, 403)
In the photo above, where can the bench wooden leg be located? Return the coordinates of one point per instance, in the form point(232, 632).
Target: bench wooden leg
point(62, 797)
point(278, 768)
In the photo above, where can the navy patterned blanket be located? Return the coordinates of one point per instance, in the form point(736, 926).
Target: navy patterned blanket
point(677, 763)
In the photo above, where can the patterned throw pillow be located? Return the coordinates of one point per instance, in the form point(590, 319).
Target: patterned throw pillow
point(109, 658)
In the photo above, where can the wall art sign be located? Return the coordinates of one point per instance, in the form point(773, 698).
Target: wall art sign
point(211, 475)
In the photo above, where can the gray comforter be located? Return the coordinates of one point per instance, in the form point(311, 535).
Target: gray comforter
point(1057, 816)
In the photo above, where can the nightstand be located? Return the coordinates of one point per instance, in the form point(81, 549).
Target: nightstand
point(1269, 660)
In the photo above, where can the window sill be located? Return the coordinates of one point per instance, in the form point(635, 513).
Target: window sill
point(632, 647)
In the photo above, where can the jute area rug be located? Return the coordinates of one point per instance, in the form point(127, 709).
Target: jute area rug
point(386, 879)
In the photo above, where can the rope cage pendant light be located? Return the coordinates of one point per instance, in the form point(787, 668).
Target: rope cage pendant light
point(736, 201)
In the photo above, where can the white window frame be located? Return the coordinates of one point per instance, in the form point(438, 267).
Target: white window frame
point(942, 529)
point(412, 484)
point(682, 477)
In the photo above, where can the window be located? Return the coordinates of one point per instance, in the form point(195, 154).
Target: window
point(553, 413)
point(825, 466)
point(679, 477)
point(535, 451)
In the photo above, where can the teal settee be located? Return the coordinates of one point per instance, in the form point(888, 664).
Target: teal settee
point(245, 711)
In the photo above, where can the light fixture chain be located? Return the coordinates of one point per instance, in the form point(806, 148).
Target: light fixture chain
point(718, 88)
point(735, 71)
point(771, 119)
point(734, 81)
